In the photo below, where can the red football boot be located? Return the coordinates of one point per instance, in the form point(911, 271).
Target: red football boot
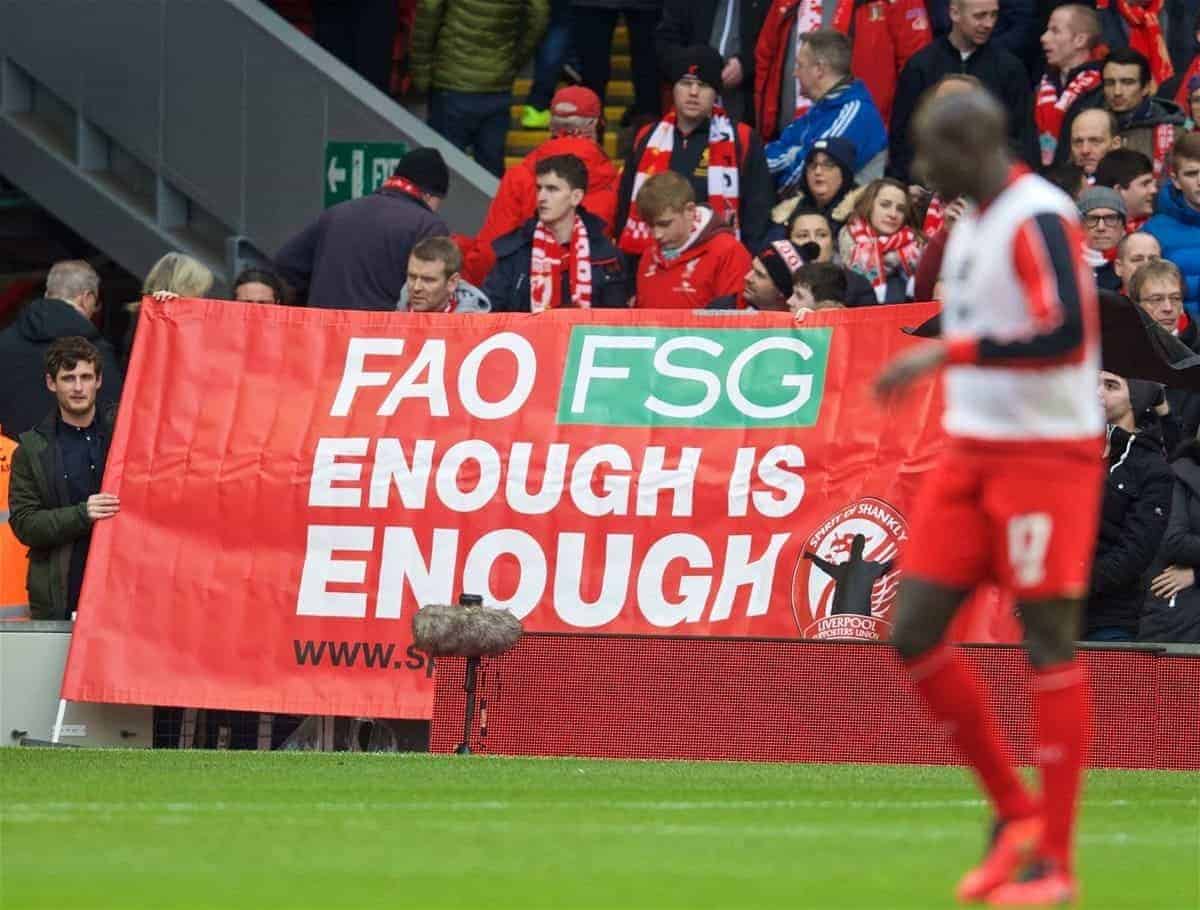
point(1013, 845)
point(1042, 885)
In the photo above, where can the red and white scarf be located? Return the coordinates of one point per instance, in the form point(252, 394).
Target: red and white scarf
point(1145, 34)
point(809, 15)
point(1098, 259)
point(404, 185)
point(723, 195)
point(550, 259)
point(1164, 141)
point(870, 248)
point(935, 216)
point(1050, 108)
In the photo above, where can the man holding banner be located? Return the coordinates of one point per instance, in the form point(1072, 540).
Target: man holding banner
point(1021, 345)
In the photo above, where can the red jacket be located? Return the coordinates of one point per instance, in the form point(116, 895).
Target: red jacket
point(885, 33)
point(770, 58)
point(516, 199)
point(713, 264)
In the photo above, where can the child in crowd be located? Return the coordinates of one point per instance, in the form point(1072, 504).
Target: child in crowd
point(695, 258)
point(881, 240)
point(817, 286)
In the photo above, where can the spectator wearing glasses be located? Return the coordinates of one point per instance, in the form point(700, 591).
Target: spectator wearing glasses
point(1103, 213)
point(828, 177)
point(1157, 287)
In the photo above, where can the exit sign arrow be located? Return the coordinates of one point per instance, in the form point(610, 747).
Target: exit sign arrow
point(351, 170)
point(335, 175)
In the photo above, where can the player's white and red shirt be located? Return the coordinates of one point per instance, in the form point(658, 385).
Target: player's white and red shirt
point(1020, 317)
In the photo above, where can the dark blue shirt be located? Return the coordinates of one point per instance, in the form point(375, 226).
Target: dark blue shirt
point(80, 458)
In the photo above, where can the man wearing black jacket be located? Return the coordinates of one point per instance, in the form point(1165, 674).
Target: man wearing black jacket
point(730, 26)
point(1133, 519)
point(966, 49)
point(72, 299)
point(561, 257)
point(355, 255)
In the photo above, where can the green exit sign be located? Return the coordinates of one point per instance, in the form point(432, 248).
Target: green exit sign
point(354, 169)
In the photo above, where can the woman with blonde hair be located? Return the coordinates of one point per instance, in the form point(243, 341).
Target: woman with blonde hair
point(174, 275)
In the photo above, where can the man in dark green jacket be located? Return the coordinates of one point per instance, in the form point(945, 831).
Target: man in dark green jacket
point(54, 489)
point(467, 53)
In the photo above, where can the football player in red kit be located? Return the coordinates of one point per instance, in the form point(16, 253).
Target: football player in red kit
point(1016, 498)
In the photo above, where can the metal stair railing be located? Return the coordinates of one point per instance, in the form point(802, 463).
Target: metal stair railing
point(194, 125)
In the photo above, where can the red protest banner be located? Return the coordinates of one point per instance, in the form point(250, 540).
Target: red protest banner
point(294, 483)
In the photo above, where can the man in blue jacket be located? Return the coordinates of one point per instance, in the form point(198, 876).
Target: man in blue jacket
point(1176, 224)
point(842, 106)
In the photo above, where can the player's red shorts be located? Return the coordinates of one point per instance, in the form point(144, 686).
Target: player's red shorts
point(1021, 515)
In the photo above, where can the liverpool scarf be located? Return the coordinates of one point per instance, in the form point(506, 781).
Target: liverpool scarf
point(1145, 34)
point(723, 197)
point(1050, 108)
point(550, 259)
point(870, 248)
point(404, 186)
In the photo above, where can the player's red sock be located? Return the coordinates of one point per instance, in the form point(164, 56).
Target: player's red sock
point(1064, 728)
point(956, 697)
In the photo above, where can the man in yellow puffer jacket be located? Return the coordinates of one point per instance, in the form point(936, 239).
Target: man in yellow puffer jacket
point(467, 52)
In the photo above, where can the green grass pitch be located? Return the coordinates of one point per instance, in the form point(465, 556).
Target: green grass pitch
point(125, 829)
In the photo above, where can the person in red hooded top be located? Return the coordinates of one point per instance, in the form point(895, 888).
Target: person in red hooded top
point(695, 258)
point(574, 127)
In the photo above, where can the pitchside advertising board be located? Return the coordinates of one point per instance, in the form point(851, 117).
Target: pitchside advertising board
point(295, 483)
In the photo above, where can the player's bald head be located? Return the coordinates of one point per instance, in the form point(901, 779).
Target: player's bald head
point(961, 140)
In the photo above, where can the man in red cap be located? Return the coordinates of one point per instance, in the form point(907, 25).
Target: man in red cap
point(574, 130)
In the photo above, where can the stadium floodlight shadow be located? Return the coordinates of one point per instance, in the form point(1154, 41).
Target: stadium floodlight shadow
point(470, 630)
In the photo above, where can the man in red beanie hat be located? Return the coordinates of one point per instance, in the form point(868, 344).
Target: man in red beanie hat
point(574, 130)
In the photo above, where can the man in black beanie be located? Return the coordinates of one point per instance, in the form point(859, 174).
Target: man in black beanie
point(769, 281)
point(698, 140)
point(355, 255)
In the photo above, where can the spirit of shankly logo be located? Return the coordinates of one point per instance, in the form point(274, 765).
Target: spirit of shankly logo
point(846, 579)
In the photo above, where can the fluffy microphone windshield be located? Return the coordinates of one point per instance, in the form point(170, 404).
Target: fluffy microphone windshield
point(443, 630)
